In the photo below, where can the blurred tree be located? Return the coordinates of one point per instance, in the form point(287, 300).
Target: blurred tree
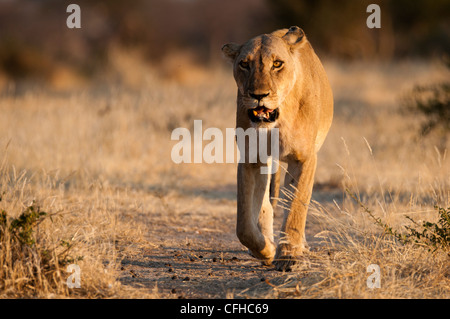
point(338, 28)
point(422, 28)
point(432, 101)
point(157, 27)
point(34, 39)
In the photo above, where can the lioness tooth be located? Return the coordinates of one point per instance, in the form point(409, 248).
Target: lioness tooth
point(255, 113)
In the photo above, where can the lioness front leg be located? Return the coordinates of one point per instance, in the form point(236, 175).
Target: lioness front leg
point(299, 181)
point(254, 212)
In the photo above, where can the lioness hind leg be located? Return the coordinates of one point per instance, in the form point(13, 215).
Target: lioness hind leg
point(299, 181)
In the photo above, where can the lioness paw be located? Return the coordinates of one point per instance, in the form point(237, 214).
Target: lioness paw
point(288, 256)
point(285, 263)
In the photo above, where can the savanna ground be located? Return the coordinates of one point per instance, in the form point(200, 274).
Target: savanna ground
point(97, 160)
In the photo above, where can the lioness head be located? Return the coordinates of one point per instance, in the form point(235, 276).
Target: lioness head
point(265, 71)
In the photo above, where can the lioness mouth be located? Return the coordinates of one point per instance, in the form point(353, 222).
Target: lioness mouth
point(263, 114)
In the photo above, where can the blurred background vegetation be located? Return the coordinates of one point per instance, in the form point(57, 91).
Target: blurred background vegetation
point(36, 45)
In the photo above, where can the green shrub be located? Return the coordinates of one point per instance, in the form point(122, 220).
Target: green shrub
point(431, 235)
point(27, 261)
point(433, 101)
point(21, 228)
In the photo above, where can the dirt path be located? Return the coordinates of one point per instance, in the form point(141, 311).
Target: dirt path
point(199, 255)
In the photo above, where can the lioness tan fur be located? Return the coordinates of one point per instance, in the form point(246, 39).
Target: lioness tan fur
point(281, 84)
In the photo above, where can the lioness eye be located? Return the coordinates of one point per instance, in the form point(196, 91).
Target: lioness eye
point(277, 64)
point(244, 65)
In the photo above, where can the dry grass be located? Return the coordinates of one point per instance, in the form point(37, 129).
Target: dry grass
point(99, 161)
point(87, 217)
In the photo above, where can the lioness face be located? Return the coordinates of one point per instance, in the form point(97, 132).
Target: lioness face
point(264, 70)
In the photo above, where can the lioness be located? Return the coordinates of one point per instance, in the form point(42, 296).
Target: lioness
point(281, 84)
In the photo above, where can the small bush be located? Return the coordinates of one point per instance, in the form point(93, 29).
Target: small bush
point(21, 228)
point(26, 264)
point(431, 235)
point(436, 235)
point(433, 101)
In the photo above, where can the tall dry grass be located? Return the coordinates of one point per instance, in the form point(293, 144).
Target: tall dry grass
point(347, 239)
point(97, 160)
point(83, 225)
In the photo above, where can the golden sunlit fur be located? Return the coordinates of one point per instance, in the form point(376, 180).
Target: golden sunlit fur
point(281, 84)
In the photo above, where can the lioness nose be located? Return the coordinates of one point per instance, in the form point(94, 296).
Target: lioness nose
point(258, 97)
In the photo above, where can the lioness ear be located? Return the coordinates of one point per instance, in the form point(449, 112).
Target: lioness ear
point(294, 35)
point(231, 51)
